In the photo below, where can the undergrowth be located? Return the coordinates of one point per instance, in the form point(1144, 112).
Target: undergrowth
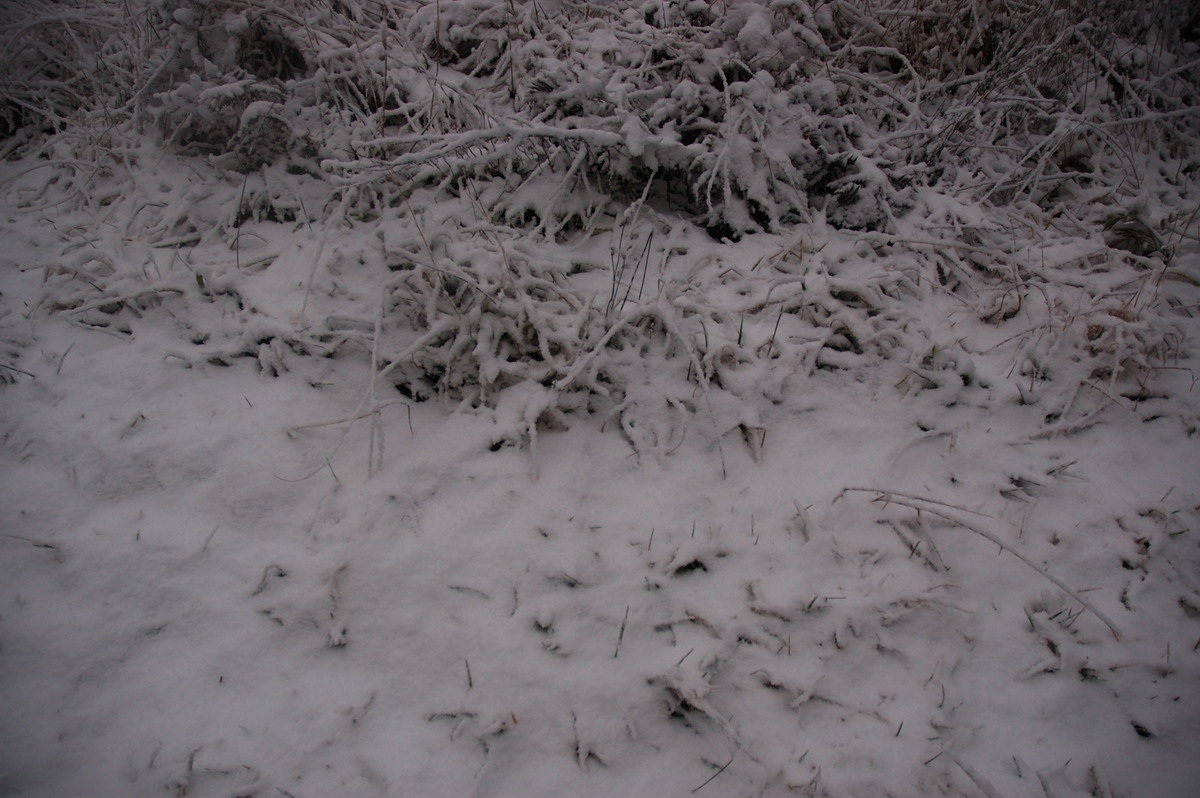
point(642, 210)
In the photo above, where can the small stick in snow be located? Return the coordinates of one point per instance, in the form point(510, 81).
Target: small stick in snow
point(208, 539)
point(775, 331)
point(26, 373)
point(61, 360)
point(621, 634)
point(237, 239)
point(719, 772)
point(37, 544)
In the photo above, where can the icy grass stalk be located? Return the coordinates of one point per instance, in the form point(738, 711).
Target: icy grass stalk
point(933, 507)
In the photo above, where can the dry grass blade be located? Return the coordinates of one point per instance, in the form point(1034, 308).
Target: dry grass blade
point(932, 506)
point(983, 784)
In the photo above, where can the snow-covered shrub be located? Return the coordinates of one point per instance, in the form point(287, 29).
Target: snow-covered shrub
point(1037, 99)
point(522, 184)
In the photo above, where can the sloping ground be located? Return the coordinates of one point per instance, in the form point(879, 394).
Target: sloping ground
point(489, 399)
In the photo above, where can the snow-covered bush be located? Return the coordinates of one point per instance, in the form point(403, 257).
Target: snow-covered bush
point(522, 185)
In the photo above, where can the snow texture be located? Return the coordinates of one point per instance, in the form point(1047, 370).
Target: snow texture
point(490, 398)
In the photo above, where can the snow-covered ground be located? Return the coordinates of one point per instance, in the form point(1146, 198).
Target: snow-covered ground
point(205, 592)
point(823, 511)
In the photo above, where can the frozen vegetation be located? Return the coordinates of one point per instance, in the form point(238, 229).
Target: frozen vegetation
point(566, 398)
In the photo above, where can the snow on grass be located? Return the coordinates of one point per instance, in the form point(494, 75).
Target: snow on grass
point(197, 600)
point(410, 410)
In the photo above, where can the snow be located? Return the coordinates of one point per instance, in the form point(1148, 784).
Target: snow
point(308, 492)
point(195, 598)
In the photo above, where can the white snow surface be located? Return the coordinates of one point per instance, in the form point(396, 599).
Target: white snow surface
point(402, 497)
point(206, 591)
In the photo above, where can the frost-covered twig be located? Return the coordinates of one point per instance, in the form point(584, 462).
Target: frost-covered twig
point(932, 506)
